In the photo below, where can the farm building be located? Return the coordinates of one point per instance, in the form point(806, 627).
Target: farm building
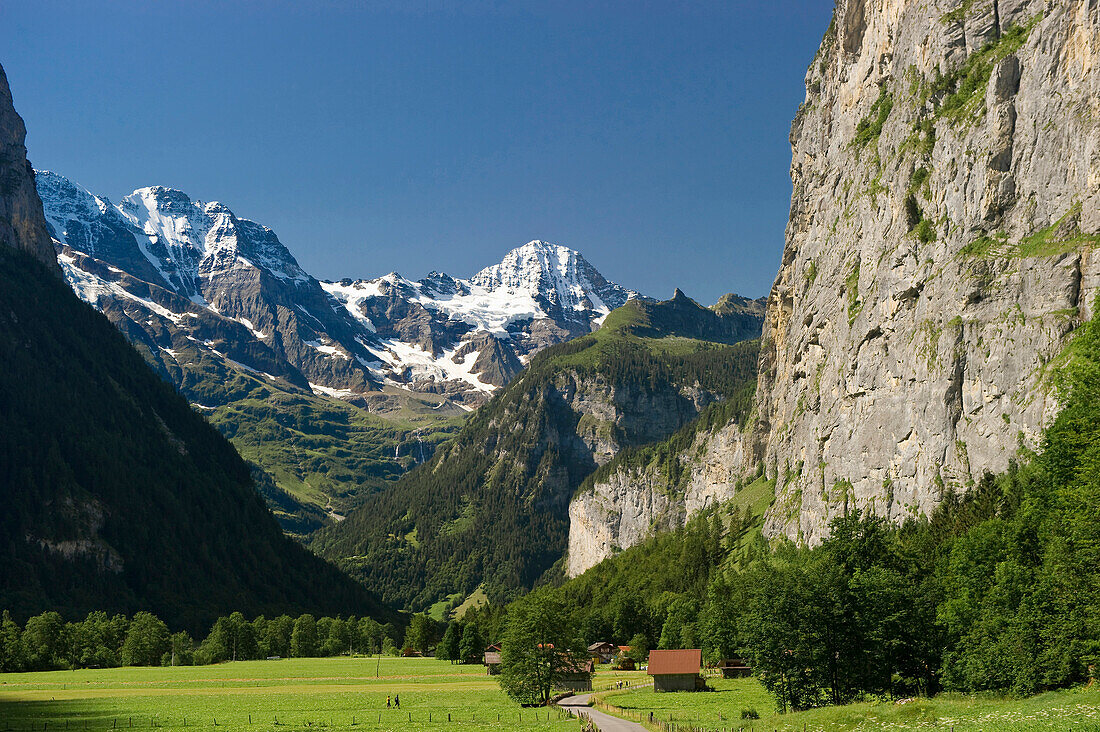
point(603, 650)
point(576, 676)
point(492, 662)
point(734, 668)
point(676, 670)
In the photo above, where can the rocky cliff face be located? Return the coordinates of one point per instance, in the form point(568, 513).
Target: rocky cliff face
point(21, 224)
point(631, 503)
point(946, 204)
point(940, 249)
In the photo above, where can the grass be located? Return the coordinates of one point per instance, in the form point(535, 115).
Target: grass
point(1077, 709)
point(1061, 237)
point(870, 127)
point(963, 89)
point(333, 693)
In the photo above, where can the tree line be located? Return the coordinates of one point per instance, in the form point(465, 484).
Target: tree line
point(47, 642)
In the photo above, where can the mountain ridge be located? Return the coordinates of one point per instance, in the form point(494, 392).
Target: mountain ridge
point(491, 507)
point(117, 495)
point(458, 338)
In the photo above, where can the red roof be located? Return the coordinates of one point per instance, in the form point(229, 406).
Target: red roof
point(675, 662)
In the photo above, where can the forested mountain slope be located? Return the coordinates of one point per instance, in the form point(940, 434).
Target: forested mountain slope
point(491, 507)
point(116, 495)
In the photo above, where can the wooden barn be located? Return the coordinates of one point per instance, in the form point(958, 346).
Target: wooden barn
point(734, 668)
point(676, 670)
point(492, 662)
point(577, 676)
point(603, 651)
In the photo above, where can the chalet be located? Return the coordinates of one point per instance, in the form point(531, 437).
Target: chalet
point(603, 651)
point(576, 676)
point(734, 668)
point(676, 670)
point(492, 662)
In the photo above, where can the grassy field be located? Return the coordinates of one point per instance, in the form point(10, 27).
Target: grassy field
point(302, 694)
point(1076, 709)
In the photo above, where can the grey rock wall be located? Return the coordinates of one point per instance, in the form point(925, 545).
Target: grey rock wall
point(22, 224)
point(940, 250)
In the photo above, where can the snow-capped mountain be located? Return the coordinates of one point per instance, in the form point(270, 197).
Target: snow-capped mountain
point(209, 297)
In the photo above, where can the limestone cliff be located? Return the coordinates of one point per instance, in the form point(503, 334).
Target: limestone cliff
point(946, 170)
point(940, 249)
point(22, 225)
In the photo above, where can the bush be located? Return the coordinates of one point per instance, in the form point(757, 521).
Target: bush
point(750, 714)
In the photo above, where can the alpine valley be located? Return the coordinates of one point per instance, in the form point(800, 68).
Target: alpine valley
point(880, 482)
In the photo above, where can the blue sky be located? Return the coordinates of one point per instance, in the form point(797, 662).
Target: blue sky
point(420, 135)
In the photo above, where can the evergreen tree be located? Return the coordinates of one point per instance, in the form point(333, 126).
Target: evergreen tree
point(421, 633)
point(639, 648)
point(11, 645)
point(448, 648)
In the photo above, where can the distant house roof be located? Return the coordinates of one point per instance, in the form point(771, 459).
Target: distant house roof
point(735, 662)
point(578, 667)
point(675, 662)
point(624, 649)
point(491, 657)
point(601, 644)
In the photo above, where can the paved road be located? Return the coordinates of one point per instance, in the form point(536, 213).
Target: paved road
point(606, 723)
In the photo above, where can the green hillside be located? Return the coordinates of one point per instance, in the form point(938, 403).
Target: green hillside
point(324, 455)
point(321, 456)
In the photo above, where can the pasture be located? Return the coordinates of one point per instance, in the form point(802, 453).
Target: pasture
point(268, 696)
point(1074, 709)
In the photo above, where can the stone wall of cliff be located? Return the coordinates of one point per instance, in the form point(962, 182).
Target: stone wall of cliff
point(946, 203)
point(940, 250)
point(22, 224)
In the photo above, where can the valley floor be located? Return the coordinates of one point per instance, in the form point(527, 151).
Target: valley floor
point(301, 694)
point(1077, 709)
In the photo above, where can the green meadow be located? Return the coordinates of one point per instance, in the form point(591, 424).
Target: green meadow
point(250, 696)
point(1073, 709)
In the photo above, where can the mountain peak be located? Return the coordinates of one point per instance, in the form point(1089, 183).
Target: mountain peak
point(557, 276)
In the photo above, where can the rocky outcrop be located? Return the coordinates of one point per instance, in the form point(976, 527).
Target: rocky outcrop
point(940, 249)
point(21, 223)
point(632, 503)
point(946, 174)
